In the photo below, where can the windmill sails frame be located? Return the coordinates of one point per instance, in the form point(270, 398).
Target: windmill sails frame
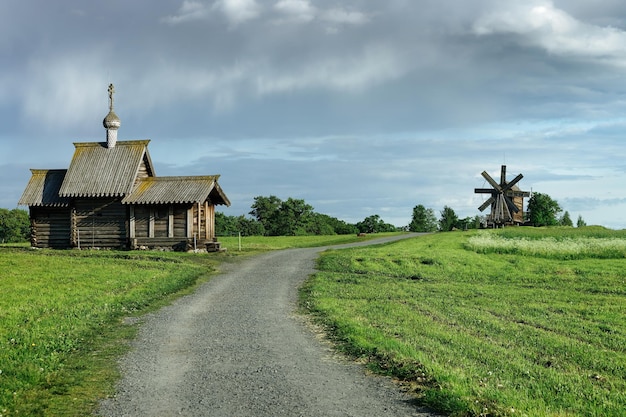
point(501, 199)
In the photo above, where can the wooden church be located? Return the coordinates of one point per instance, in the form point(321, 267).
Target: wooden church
point(110, 197)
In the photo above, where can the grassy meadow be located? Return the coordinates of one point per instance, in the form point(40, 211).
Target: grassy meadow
point(510, 322)
point(61, 326)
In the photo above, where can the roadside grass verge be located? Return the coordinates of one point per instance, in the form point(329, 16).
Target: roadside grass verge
point(475, 330)
point(61, 321)
point(255, 244)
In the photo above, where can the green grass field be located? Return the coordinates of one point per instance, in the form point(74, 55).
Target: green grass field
point(484, 323)
point(61, 321)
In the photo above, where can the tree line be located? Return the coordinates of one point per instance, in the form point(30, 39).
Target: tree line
point(542, 210)
point(271, 216)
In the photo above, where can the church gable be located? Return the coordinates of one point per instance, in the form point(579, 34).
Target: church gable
point(146, 169)
point(99, 171)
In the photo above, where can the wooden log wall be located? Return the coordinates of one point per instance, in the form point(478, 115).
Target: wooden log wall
point(143, 171)
point(142, 221)
point(106, 223)
point(164, 221)
point(160, 218)
point(100, 223)
point(204, 220)
point(519, 216)
point(180, 220)
point(50, 227)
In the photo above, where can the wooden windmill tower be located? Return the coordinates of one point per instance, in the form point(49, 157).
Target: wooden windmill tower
point(506, 200)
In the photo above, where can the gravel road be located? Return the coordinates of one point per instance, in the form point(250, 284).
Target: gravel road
point(236, 347)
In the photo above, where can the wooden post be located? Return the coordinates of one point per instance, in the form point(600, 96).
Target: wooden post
point(211, 221)
point(151, 223)
point(170, 221)
point(206, 221)
point(131, 222)
point(190, 222)
point(73, 228)
point(199, 218)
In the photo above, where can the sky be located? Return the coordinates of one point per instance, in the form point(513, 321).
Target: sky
point(357, 107)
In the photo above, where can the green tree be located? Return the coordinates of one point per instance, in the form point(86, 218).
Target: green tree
point(580, 222)
point(320, 224)
point(543, 210)
point(566, 220)
point(14, 226)
point(250, 227)
point(478, 221)
point(469, 223)
point(423, 220)
point(323, 224)
point(233, 225)
point(448, 219)
point(264, 210)
point(291, 218)
point(374, 224)
point(225, 225)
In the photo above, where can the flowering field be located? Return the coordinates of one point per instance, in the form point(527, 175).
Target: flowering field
point(514, 322)
point(559, 243)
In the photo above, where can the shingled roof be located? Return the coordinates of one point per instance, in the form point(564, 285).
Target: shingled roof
point(171, 190)
point(43, 189)
point(125, 171)
point(99, 171)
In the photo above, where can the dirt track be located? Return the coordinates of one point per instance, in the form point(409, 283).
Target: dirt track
point(236, 348)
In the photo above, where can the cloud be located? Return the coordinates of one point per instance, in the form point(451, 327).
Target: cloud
point(374, 64)
point(338, 15)
point(296, 10)
point(60, 92)
point(235, 11)
point(302, 11)
point(190, 10)
point(541, 24)
point(239, 11)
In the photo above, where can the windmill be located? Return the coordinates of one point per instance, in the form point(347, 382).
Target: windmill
point(506, 200)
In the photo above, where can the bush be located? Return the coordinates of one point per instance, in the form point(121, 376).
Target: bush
point(14, 226)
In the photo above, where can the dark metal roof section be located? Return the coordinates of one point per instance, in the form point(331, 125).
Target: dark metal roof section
point(173, 190)
point(99, 171)
point(43, 189)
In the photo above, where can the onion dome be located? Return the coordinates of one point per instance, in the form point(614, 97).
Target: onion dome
point(111, 122)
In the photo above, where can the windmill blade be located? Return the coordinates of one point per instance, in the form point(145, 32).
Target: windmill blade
point(484, 191)
point(515, 193)
point(486, 204)
point(513, 182)
point(510, 204)
point(491, 181)
point(502, 213)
